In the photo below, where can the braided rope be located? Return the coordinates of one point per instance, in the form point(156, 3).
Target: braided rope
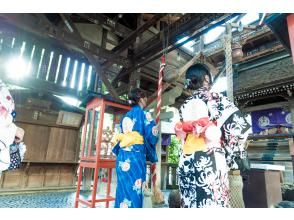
point(158, 108)
point(159, 91)
point(229, 69)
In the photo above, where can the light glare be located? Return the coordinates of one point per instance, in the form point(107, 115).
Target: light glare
point(70, 100)
point(17, 68)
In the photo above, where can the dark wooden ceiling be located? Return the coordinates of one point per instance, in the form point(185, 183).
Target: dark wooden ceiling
point(122, 46)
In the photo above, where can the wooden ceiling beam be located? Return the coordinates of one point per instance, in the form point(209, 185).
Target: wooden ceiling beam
point(90, 57)
point(168, 18)
point(126, 42)
point(108, 24)
point(200, 22)
point(44, 19)
point(33, 24)
point(182, 71)
point(106, 82)
point(123, 88)
point(173, 31)
point(41, 86)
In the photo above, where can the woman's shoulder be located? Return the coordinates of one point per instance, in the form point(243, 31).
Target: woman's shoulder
point(134, 112)
point(193, 108)
point(192, 100)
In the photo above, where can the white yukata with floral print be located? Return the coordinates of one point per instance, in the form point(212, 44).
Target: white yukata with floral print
point(203, 174)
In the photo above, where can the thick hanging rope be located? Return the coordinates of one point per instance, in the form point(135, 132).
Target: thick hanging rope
point(157, 193)
point(159, 92)
point(228, 56)
point(153, 173)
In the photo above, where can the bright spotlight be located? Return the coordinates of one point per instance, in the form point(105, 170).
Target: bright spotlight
point(16, 68)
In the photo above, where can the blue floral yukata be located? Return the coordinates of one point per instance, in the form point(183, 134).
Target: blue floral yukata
point(131, 160)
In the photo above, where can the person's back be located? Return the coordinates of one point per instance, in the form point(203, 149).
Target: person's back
point(212, 131)
point(138, 132)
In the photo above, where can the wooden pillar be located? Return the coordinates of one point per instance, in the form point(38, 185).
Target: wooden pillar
point(104, 38)
point(136, 75)
point(201, 42)
point(164, 175)
point(290, 23)
point(135, 79)
point(158, 150)
point(96, 83)
point(1, 180)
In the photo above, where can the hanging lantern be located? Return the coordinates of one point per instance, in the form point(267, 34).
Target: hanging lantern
point(237, 53)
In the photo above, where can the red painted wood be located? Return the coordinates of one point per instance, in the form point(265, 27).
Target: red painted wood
point(95, 161)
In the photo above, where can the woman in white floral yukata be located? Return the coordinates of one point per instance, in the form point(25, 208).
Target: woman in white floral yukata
point(213, 132)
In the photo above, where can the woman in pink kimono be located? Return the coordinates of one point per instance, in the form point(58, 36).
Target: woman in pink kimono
point(213, 132)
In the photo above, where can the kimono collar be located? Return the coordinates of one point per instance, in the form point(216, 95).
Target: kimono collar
point(205, 94)
point(212, 101)
point(138, 107)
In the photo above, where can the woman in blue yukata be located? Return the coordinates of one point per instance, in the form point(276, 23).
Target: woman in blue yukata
point(213, 132)
point(136, 143)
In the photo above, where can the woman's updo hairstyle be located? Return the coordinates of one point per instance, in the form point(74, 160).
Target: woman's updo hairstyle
point(195, 76)
point(135, 95)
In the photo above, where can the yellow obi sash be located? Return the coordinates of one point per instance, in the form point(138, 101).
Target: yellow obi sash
point(129, 139)
point(193, 144)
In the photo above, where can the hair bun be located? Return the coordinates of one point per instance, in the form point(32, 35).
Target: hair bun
point(195, 76)
point(135, 95)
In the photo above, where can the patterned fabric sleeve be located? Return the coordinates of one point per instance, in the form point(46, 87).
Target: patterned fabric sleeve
point(151, 130)
point(235, 131)
point(233, 125)
point(150, 138)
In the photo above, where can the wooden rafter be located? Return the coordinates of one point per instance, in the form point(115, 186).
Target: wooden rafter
point(30, 23)
point(167, 18)
point(91, 58)
point(182, 71)
point(200, 22)
point(126, 42)
point(185, 23)
point(108, 24)
point(41, 85)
